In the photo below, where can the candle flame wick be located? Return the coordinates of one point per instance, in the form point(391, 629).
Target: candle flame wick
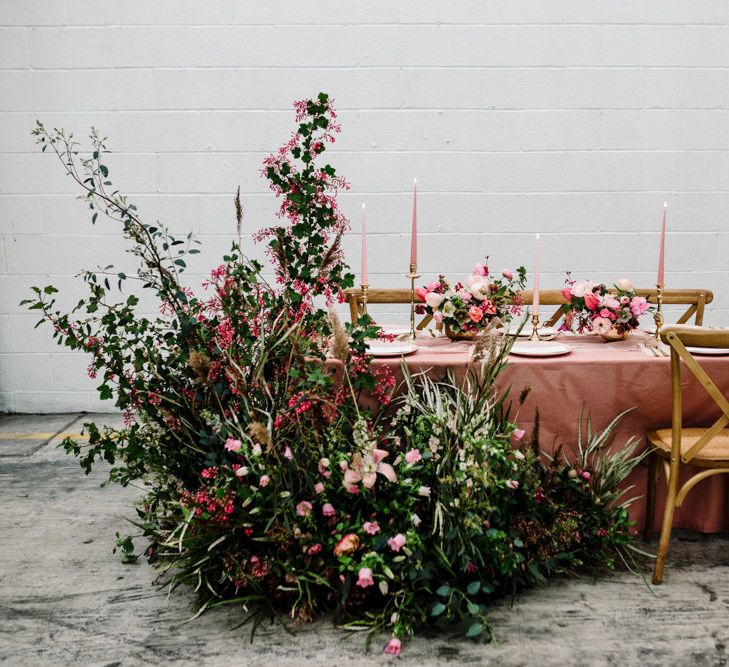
point(665, 204)
point(415, 181)
point(363, 206)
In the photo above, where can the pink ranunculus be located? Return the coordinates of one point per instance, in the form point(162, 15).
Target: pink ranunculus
point(371, 527)
point(567, 293)
point(324, 468)
point(233, 445)
point(638, 306)
point(507, 274)
point(434, 286)
point(319, 487)
point(475, 313)
point(606, 314)
point(433, 299)
point(413, 456)
point(398, 542)
point(591, 301)
point(612, 303)
point(488, 307)
point(512, 484)
point(624, 300)
point(480, 270)
point(264, 481)
point(364, 578)
point(393, 647)
point(304, 508)
point(420, 292)
point(518, 434)
point(328, 509)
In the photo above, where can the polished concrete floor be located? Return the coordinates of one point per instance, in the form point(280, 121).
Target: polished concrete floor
point(65, 598)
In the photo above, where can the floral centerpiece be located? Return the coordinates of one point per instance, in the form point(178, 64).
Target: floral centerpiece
point(482, 302)
point(593, 308)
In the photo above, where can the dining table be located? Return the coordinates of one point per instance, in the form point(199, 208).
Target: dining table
point(590, 377)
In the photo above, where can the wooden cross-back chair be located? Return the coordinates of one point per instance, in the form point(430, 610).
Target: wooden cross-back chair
point(695, 299)
point(706, 448)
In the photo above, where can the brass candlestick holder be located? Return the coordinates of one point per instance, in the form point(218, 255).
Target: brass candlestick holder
point(535, 328)
point(658, 315)
point(365, 289)
point(412, 275)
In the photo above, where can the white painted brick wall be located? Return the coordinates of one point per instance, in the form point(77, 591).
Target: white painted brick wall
point(571, 118)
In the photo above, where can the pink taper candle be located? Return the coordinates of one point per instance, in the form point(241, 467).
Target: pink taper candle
point(662, 248)
point(364, 248)
point(414, 234)
point(535, 304)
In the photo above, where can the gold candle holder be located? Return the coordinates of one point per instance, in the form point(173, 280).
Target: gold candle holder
point(658, 315)
point(535, 328)
point(412, 275)
point(365, 289)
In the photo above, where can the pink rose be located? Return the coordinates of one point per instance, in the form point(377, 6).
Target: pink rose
point(434, 286)
point(638, 306)
point(591, 301)
point(624, 300)
point(413, 456)
point(475, 313)
point(304, 508)
point(507, 274)
point(264, 481)
point(488, 307)
point(567, 293)
point(420, 293)
point(328, 509)
point(233, 445)
point(347, 545)
point(398, 542)
point(371, 527)
point(324, 468)
point(433, 299)
point(365, 578)
point(319, 487)
point(393, 647)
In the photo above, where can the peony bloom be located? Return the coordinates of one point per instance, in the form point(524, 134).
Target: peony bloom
point(347, 545)
point(319, 487)
point(582, 287)
point(507, 274)
point(264, 481)
point(478, 286)
point(328, 509)
point(371, 527)
point(601, 325)
point(475, 313)
point(365, 578)
point(393, 647)
point(512, 484)
point(398, 542)
point(638, 306)
point(624, 284)
point(591, 301)
point(433, 299)
point(304, 508)
point(413, 456)
point(233, 445)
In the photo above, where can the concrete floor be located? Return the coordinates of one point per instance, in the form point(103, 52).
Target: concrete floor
point(66, 599)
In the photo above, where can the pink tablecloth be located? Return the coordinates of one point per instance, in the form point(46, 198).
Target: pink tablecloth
point(605, 378)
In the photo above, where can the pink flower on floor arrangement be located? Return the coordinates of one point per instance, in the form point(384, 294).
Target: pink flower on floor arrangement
point(365, 578)
point(413, 456)
point(398, 542)
point(371, 527)
point(304, 508)
point(393, 647)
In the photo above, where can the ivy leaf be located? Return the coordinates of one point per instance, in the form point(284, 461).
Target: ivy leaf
point(437, 609)
point(473, 587)
point(474, 630)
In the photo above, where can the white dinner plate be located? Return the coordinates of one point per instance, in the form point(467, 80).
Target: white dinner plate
point(527, 331)
point(395, 349)
point(709, 351)
point(540, 349)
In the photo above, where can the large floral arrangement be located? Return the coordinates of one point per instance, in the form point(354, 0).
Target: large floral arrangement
point(482, 302)
point(593, 308)
point(279, 473)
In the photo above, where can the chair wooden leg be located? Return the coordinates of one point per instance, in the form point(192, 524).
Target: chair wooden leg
point(653, 468)
point(667, 524)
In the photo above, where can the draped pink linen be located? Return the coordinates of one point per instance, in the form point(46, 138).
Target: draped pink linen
point(603, 379)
